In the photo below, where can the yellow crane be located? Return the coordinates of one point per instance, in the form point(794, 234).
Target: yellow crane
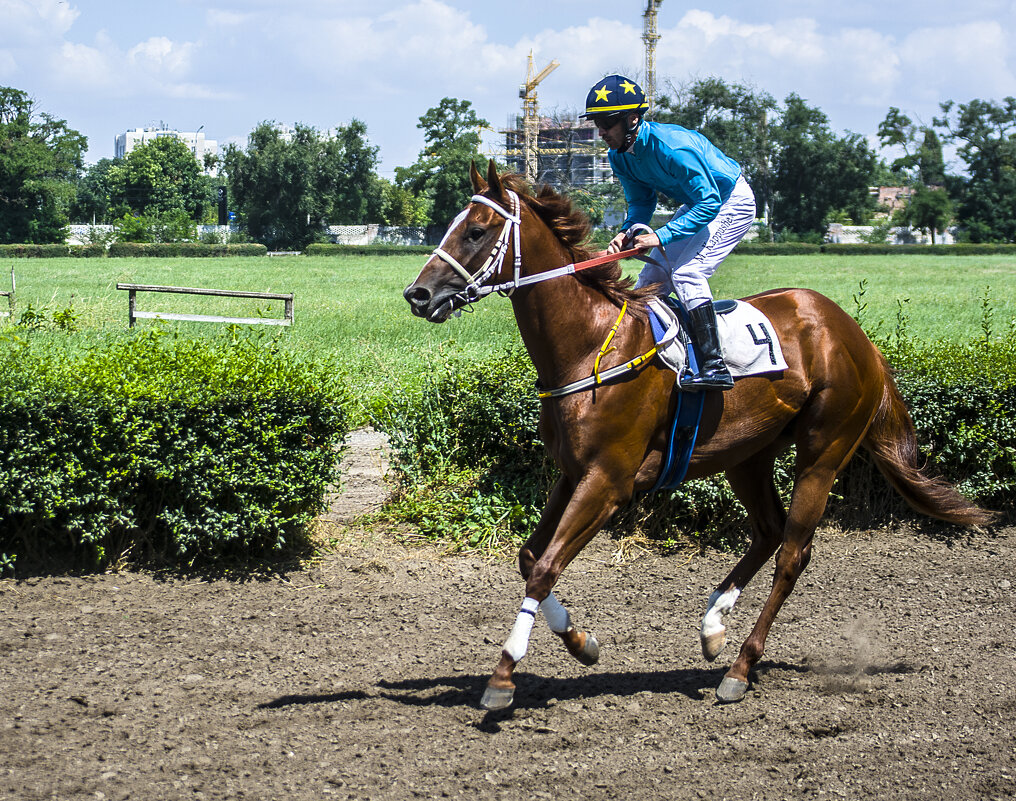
point(531, 116)
point(650, 36)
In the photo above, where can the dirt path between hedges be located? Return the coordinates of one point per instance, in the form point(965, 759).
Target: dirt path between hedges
point(889, 675)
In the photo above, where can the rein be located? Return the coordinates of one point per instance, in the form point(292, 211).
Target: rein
point(476, 288)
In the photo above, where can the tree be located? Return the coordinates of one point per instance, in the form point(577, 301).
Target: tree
point(931, 163)
point(921, 163)
point(400, 206)
point(288, 188)
point(93, 195)
point(597, 200)
point(737, 118)
point(160, 176)
point(40, 159)
point(928, 210)
point(816, 172)
point(351, 161)
point(441, 172)
point(986, 134)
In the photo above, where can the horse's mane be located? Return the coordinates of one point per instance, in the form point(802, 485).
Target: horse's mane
point(572, 229)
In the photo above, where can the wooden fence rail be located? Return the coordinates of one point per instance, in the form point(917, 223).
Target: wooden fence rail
point(134, 314)
point(10, 299)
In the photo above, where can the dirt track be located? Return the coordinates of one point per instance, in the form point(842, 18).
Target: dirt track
point(889, 675)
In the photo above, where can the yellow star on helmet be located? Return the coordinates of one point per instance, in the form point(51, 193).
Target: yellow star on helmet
point(601, 93)
point(628, 86)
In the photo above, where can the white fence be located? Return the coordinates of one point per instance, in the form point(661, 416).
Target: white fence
point(80, 234)
point(377, 235)
point(852, 235)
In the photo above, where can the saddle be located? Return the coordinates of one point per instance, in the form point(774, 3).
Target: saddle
point(747, 337)
point(750, 347)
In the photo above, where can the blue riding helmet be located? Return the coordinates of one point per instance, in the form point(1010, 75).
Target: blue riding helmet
point(615, 94)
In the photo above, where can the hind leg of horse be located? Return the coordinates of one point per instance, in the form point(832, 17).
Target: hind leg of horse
point(768, 519)
point(806, 508)
point(594, 500)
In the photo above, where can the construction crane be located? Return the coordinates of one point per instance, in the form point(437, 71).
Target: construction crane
point(531, 117)
point(650, 36)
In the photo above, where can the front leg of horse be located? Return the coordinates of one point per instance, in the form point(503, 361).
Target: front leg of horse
point(579, 522)
point(500, 690)
point(580, 644)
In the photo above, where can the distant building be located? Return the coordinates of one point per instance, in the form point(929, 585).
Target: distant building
point(569, 152)
point(891, 198)
point(196, 141)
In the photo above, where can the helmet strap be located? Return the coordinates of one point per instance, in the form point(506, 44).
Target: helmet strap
point(631, 132)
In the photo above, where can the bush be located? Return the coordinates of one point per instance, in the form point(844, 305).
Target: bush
point(162, 449)
point(177, 249)
point(473, 471)
point(51, 251)
point(320, 249)
point(777, 249)
point(837, 249)
point(465, 446)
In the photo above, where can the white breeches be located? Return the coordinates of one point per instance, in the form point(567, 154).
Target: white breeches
point(689, 262)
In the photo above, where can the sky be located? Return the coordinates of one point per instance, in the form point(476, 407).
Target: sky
point(106, 66)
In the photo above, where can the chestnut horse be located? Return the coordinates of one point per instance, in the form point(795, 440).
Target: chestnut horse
point(836, 395)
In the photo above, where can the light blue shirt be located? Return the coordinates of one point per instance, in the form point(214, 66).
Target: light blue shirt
point(683, 165)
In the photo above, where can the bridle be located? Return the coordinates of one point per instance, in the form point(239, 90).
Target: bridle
point(475, 287)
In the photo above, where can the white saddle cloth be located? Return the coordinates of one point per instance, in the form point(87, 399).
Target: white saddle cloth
point(749, 341)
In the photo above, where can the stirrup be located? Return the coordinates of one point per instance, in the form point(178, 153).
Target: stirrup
point(712, 380)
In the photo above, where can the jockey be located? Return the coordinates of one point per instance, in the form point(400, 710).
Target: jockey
point(717, 207)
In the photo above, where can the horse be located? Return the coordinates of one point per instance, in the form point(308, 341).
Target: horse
point(836, 395)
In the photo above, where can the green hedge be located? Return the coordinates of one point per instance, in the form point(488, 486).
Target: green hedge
point(368, 250)
point(162, 449)
point(962, 249)
point(777, 249)
point(834, 249)
point(174, 249)
point(51, 251)
point(473, 471)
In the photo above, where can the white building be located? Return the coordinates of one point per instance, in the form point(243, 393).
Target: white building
point(196, 141)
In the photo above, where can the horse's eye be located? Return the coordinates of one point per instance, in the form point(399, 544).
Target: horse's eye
point(475, 234)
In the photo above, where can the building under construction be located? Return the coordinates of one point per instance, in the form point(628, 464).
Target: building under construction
point(568, 152)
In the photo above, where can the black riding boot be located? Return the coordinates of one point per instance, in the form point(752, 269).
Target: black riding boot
point(713, 373)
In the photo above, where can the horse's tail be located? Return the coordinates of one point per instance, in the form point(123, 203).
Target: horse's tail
point(893, 444)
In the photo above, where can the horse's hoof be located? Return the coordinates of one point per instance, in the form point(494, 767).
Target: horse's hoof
point(495, 698)
point(713, 643)
point(731, 690)
point(590, 653)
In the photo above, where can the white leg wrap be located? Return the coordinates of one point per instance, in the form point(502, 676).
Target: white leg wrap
point(719, 605)
point(557, 616)
point(518, 641)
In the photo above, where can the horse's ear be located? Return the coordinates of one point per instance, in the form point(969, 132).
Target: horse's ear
point(494, 180)
point(474, 175)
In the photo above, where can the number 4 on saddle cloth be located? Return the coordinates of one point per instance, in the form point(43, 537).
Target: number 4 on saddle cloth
point(750, 347)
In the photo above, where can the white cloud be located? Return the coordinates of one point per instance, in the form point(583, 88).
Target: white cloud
point(81, 65)
point(226, 19)
point(161, 55)
point(33, 21)
point(959, 62)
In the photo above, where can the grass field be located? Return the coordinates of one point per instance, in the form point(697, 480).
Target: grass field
point(351, 308)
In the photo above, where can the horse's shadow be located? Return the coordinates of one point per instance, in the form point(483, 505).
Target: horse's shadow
point(534, 692)
point(540, 692)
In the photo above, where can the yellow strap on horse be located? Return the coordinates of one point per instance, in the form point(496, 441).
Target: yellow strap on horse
point(603, 349)
point(597, 377)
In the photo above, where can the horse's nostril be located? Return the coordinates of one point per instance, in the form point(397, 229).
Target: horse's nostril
point(417, 295)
